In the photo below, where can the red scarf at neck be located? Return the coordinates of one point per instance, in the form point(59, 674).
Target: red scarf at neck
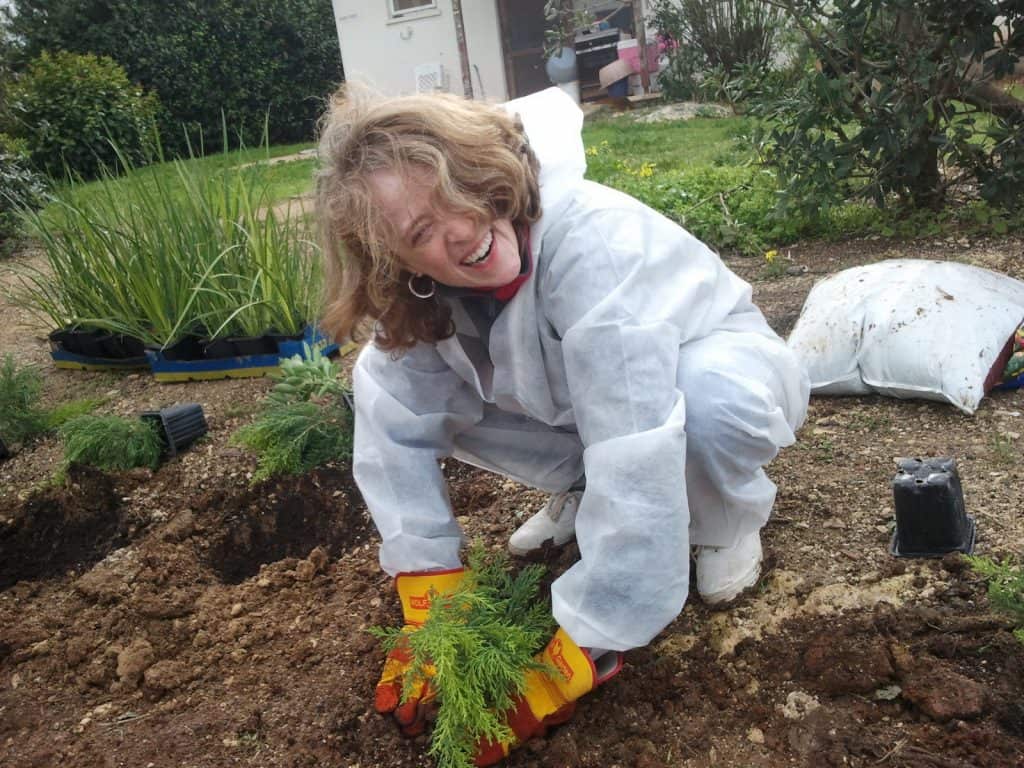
point(507, 291)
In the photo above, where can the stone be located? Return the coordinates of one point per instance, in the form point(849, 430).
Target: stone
point(798, 705)
point(305, 571)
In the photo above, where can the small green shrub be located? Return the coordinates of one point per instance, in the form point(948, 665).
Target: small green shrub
point(68, 108)
point(20, 186)
point(308, 419)
point(64, 412)
point(702, 38)
point(1005, 588)
point(480, 642)
point(296, 437)
point(112, 442)
point(20, 416)
point(729, 206)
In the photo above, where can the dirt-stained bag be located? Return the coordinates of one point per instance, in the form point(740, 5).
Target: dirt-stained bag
point(909, 328)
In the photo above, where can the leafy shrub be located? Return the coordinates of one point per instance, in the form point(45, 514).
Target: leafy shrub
point(112, 442)
point(20, 416)
point(480, 643)
point(68, 108)
point(20, 186)
point(703, 37)
point(309, 376)
point(900, 104)
point(728, 207)
point(233, 60)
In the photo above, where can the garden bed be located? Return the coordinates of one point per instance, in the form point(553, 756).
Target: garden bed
point(206, 622)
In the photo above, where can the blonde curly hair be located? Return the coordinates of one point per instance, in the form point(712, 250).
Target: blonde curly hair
point(480, 164)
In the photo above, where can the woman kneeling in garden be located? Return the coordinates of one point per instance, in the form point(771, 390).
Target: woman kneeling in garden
point(559, 333)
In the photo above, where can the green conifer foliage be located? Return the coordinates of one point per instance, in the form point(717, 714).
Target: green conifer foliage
point(20, 416)
point(307, 419)
point(481, 640)
point(112, 442)
point(1005, 588)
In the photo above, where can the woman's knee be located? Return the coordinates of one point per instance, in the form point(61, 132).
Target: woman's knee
point(734, 417)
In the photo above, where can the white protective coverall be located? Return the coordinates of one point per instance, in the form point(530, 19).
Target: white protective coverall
point(632, 354)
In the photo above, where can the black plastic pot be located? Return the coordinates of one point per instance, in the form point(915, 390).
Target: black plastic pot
point(79, 341)
point(187, 348)
point(97, 343)
point(181, 425)
point(930, 516)
point(62, 337)
point(4, 453)
point(118, 346)
point(277, 337)
point(239, 346)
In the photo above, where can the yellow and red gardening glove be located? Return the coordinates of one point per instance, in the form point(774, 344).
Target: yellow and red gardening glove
point(550, 697)
point(415, 590)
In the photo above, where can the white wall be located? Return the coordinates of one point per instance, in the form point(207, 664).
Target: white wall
point(385, 51)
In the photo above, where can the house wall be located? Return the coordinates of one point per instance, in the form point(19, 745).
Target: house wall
point(385, 51)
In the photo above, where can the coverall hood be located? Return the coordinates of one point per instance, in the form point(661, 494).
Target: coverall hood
point(553, 124)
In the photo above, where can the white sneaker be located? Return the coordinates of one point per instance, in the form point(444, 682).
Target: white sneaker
point(555, 522)
point(724, 572)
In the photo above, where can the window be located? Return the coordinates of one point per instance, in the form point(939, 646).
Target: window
point(398, 8)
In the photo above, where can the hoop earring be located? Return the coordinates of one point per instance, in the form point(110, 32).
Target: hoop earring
point(427, 293)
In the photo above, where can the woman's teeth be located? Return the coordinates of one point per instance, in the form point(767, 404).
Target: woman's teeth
point(481, 252)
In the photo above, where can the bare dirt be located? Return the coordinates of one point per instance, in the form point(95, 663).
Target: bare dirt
point(185, 617)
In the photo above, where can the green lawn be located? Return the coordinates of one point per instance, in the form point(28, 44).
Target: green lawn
point(675, 145)
point(284, 179)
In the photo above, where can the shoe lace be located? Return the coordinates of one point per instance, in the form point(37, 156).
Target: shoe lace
point(556, 504)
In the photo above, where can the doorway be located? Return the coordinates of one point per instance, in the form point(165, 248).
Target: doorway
point(522, 42)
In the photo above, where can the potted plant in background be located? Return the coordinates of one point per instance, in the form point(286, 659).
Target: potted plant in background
point(561, 22)
point(192, 261)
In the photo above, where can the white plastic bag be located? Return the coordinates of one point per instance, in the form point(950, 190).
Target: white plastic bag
point(908, 328)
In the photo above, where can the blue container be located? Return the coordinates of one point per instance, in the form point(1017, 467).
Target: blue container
point(619, 89)
point(239, 367)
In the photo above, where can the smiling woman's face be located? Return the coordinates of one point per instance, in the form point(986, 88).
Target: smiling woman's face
point(454, 249)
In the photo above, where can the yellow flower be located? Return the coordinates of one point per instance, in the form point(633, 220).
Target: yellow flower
point(769, 256)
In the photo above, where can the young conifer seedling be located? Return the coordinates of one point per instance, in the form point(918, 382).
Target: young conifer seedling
point(306, 421)
point(20, 416)
point(111, 442)
point(1005, 587)
point(480, 641)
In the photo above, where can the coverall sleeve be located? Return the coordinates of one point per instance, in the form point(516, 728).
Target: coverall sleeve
point(407, 411)
point(626, 289)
